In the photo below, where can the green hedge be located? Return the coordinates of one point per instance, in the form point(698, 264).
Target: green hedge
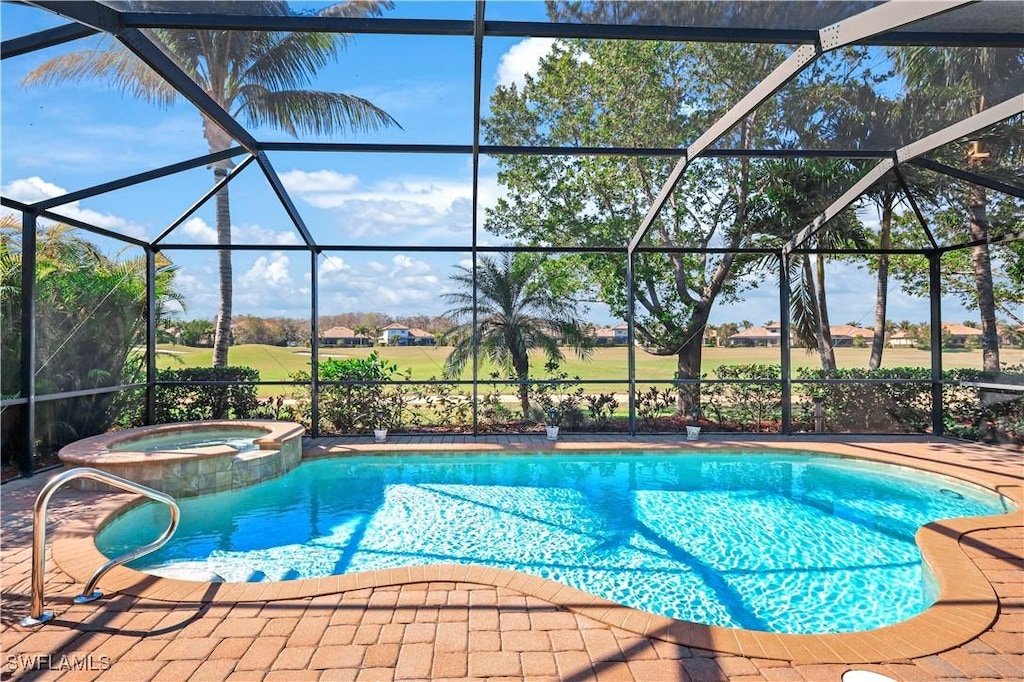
point(192, 402)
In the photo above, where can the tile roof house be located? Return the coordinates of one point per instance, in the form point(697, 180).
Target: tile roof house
point(770, 335)
point(399, 335)
point(344, 336)
point(612, 336)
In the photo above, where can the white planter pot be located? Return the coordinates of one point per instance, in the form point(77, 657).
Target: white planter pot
point(552, 432)
point(380, 435)
point(692, 432)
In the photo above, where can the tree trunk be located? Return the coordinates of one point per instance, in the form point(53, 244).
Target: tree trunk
point(982, 263)
point(222, 334)
point(828, 356)
point(522, 368)
point(882, 288)
point(688, 367)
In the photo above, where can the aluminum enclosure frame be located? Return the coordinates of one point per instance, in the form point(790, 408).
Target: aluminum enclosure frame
point(880, 25)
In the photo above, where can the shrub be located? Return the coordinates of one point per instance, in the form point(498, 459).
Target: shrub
point(751, 405)
point(347, 404)
point(191, 400)
point(878, 407)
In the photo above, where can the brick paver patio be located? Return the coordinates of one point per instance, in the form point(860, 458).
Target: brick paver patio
point(440, 628)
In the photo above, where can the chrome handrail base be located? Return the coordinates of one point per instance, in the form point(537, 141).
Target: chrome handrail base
point(86, 598)
point(30, 622)
point(89, 593)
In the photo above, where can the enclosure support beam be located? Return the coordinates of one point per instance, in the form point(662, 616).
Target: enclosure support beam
point(314, 342)
point(935, 301)
point(840, 204)
point(968, 126)
point(217, 187)
point(102, 17)
point(554, 150)
point(286, 200)
point(16, 47)
point(26, 453)
point(871, 22)
point(478, 70)
point(974, 178)
point(542, 29)
point(121, 183)
point(631, 340)
point(913, 205)
point(151, 311)
point(785, 345)
point(80, 224)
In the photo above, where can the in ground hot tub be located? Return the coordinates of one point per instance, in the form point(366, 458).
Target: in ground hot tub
point(191, 458)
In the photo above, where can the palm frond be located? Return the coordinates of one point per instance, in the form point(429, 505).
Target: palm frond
point(288, 61)
point(126, 72)
point(357, 8)
point(311, 112)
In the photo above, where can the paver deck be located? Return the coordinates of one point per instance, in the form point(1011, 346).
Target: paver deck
point(450, 622)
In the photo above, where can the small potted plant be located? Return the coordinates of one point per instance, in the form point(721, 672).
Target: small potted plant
point(386, 414)
point(692, 430)
point(552, 423)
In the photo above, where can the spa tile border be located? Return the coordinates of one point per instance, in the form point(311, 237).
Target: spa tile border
point(967, 605)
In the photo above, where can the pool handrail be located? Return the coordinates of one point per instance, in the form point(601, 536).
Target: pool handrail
point(36, 615)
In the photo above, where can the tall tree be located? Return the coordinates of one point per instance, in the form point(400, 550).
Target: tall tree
point(594, 93)
point(794, 192)
point(259, 76)
point(516, 312)
point(962, 82)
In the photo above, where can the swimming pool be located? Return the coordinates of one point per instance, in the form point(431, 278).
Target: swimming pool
point(777, 542)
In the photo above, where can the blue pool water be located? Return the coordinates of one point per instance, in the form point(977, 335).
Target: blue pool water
point(778, 542)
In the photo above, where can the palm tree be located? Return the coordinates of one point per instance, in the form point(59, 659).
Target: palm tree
point(960, 83)
point(796, 191)
point(515, 313)
point(256, 75)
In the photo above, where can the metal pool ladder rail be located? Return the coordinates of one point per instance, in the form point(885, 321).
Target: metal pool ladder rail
point(37, 616)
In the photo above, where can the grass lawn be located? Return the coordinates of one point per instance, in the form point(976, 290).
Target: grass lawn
point(610, 364)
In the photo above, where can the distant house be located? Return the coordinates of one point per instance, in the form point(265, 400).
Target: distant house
point(421, 337)
point(902, 340)
point(843, 335)
point(343, 336)
point(612, 336)
point(956, 335)
point(770, 335)
point(767, 336)
point(399, 335)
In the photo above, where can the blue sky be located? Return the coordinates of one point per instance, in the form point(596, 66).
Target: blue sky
point(65, 138)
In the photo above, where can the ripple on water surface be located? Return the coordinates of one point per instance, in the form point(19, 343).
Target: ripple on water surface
point(779, 542)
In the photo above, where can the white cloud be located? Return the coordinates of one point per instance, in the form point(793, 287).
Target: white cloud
point(33, 189)
point(268, 273)
point(522, 59)
point(403, 285)
point(426, 210)
point(198, 230)
point(318, 181)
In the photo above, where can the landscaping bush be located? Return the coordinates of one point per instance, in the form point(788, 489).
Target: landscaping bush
point(192, 401)
point(745, 406)
point(983, 414)
point(349, 407)
point(871, 407)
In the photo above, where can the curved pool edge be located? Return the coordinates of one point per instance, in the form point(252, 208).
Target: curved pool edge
point(966, 606)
